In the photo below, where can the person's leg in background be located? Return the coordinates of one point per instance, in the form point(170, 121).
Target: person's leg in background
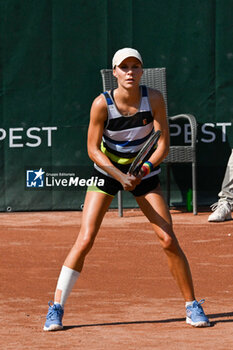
point(222, 209)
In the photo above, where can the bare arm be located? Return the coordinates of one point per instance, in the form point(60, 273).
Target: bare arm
point(98, 115)
point(160, 123)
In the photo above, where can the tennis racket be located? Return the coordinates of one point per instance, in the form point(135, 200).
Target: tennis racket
point(145, 153)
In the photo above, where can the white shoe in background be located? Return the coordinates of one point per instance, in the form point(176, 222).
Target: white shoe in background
point(221, 212)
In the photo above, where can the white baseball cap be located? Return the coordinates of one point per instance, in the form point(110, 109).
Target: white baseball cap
point(122, 54)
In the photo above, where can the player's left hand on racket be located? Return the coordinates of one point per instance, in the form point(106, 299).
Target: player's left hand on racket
point(129, 181)
point(141, 173)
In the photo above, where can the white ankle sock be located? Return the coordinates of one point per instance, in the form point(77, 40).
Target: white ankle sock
point(65, 283)
point(189, 303)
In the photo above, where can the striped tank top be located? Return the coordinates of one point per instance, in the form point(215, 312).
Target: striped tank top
point(124, 136)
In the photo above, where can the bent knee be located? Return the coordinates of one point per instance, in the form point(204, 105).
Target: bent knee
point(169, 242)
point(84, 243)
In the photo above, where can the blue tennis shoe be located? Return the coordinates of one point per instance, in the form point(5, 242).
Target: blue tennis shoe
point(54, 317)
point(196, 316)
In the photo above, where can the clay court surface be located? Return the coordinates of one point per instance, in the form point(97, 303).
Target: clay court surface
point(125, 298)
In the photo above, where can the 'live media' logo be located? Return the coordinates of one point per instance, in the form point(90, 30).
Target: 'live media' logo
point(35, 178)
point(52, 178)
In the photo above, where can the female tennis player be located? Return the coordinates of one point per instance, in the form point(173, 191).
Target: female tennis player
point(121, 121)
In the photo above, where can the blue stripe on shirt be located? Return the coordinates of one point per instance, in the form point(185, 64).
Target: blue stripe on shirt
point(128, 143)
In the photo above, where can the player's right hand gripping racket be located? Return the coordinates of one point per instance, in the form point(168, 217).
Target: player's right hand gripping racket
point(145, 153)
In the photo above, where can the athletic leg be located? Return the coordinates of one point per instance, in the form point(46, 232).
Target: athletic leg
point(95, 206)
point(226, 193)
point(155, 209)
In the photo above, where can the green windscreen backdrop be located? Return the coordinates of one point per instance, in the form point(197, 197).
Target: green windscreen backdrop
point(51, 53)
